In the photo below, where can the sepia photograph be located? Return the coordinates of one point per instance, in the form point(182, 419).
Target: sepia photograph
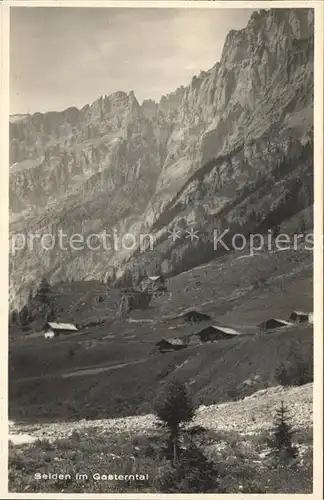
point(161, 248)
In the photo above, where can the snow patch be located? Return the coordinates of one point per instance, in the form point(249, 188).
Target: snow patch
point(19, 439)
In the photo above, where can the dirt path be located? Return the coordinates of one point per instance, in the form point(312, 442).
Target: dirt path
point(83, 372)
point(100, 369)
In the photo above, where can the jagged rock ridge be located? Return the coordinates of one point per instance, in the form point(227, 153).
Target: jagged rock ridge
point(206, 153)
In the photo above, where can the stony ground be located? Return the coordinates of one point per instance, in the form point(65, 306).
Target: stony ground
point(235, 437)
point(249, 415)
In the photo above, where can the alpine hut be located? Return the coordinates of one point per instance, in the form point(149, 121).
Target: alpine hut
point(52, 330)
point(273, 323)
point(215, 333)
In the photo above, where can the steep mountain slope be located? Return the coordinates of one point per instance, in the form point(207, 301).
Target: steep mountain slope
point(238, 136)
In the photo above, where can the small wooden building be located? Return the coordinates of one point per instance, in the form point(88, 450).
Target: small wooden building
point(169, 345)
point(299, 316)
point(214, 333)
point(52, 329)
point(195, 316)
point(273, 323)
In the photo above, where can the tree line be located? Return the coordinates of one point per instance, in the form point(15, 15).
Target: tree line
point(39, 303)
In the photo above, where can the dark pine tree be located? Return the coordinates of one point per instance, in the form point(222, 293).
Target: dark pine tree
point(174, 408)
point(281, 442)
point(23, 317)
point(30, 306)
point(43, 291)
point(13, 317)
point(50, 314)
point(275, 231)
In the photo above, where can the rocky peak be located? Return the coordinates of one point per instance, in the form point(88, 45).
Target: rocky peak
point(149, 108)
point(118, 163)
point(173, 100)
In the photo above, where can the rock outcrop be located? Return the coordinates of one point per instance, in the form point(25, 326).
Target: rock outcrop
point(230, 149)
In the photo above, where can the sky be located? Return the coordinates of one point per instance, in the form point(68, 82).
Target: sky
point(62, 57)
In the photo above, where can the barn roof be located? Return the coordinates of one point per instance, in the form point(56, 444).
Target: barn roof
point(176, 341)
point(224, 329)
point(300, 313)
point(281, 321)
point(63, 326)
point(227, 330)
point(172, 341)
point(194, 311)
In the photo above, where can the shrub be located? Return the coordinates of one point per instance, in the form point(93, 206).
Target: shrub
point(233, 394)
point(193, 473)
point(252, 486)
point(196, 430)
point(295, 372)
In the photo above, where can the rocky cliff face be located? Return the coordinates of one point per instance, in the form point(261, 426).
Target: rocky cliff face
point(235, 141)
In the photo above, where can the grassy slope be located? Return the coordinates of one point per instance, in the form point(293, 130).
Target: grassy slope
point(236, 291)
point(213, 371)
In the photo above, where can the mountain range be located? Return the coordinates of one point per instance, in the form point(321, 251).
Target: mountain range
point(232, 149)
